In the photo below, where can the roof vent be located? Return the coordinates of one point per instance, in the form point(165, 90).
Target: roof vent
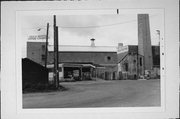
point(120, 44)
point(92, 42)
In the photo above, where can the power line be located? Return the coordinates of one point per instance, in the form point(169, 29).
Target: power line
point(105, 25)
point(99, 26)
point(93, 26)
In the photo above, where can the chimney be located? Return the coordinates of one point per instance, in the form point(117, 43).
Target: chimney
point(92, 42)
point(144, 40)
point(120, 44)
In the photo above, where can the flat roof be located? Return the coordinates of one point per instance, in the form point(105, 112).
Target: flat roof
point(71, 48)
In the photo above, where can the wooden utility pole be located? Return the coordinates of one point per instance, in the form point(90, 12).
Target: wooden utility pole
point(46, 52)
point(57, 56)
point(56, 71)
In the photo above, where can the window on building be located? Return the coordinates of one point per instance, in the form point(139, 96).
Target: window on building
point(134, 61)
point(126, 66)
point(43, 47)
point(43, 57)
point(108, 58)
point(140, 61)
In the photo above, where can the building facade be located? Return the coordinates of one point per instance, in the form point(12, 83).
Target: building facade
point(79, 62)
point(88, 62)
point(131, 64)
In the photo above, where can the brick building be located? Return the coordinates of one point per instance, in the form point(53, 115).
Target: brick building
point(80, 62)
point(131, 64)
point(86, 62)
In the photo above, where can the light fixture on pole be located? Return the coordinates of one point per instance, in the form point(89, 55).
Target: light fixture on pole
point(159, 35)
point(46, 46)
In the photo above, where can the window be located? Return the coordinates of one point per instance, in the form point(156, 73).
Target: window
point(134, 61)
point(43, 57)
point(43, 47)
point(126, 66)
point(108, 58)
point(140, 61)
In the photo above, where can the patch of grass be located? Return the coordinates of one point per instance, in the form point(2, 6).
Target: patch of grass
point(32, 88)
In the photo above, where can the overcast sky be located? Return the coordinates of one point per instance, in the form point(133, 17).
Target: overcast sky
point(107, 30)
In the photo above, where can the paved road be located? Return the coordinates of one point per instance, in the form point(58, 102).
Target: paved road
point(119, 93)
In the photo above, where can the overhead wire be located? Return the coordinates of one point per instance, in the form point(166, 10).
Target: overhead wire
point(99, 26)
point(93, 26)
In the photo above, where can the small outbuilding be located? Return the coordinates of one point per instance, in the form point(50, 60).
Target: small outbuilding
point(33, 73)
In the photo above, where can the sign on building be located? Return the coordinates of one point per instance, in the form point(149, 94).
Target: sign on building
point(122, 49)
point(37, 38)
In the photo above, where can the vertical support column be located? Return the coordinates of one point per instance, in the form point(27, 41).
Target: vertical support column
point(96, 72)
point(62, 71)
point(81, 73)
point(137, 62)
point(90, 73)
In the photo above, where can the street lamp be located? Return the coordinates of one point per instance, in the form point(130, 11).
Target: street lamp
point(46, 51)
point(159, 35)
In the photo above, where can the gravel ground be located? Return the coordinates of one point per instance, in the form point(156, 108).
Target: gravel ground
point(100, 93)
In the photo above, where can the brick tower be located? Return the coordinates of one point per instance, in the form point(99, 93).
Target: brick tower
point(144, 41)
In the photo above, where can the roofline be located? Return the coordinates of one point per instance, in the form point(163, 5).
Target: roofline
point(83, 46)
point(85, 51)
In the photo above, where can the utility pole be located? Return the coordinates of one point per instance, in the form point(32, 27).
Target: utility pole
point(56, 72)
point(57, 56)
point(46, 52)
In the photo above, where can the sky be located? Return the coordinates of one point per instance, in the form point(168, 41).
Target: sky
point(107, 30)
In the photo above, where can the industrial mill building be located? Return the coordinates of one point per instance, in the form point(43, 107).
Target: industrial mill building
point(80, 62)
point(105, 62)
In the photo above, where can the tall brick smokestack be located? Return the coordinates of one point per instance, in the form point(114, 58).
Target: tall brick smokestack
point(144, 41)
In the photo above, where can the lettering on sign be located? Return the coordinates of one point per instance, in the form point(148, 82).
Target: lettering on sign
point(37, 37)
point(122, 49)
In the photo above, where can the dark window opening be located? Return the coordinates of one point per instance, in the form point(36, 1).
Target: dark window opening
point(108, 58)
point(126, 66)
point(134, 61)
point(43, 57)
point(140, 61)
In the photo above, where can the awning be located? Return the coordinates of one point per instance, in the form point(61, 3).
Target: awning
point(88, 65)
point(71, 65)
